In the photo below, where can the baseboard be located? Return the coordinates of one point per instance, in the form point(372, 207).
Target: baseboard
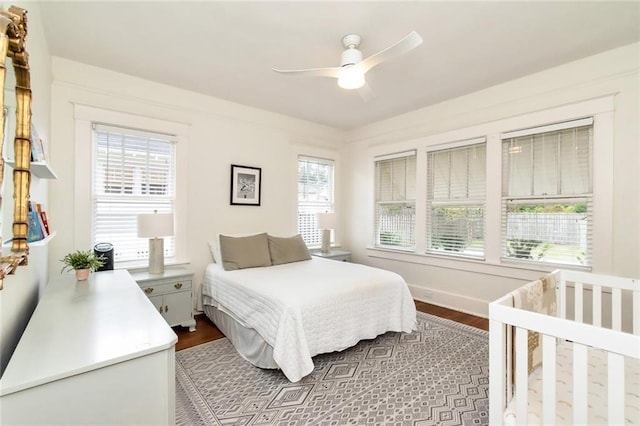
point(468, 305)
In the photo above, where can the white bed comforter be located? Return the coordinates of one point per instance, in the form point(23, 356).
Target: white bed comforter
point(311, 307)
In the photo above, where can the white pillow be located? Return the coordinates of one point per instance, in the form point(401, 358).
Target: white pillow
point(214, 246)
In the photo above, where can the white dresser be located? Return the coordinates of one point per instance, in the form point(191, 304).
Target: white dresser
point(94, 351)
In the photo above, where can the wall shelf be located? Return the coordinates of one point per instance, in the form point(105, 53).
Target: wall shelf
point(38, 168)
point(42, 242)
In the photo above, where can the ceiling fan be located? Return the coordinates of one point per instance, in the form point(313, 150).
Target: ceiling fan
point(350, 73)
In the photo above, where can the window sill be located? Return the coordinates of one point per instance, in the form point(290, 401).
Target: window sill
point(459, 263)
point(144, 266)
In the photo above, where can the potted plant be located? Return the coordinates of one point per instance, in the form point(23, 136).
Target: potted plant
point(83, 262)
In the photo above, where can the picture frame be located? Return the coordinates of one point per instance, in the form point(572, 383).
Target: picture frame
point(246, 185)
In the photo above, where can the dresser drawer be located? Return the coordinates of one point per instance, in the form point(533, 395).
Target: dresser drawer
point(166, 287)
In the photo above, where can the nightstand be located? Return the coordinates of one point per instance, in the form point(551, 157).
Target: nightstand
point(343, 256)
point(171, 293)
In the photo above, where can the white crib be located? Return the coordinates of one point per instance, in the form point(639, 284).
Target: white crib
point(595, 313)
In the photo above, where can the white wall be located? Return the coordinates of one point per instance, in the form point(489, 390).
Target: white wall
point(219, 134)
point(468, 286)
point(21, 291)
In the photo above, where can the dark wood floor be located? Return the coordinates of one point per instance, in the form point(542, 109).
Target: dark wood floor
point(206, 331)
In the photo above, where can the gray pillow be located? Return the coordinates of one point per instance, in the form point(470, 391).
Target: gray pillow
point(287, 250)
point(244, 252)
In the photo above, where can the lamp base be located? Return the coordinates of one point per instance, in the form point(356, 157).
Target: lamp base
point(156, 255)
point(326, 241)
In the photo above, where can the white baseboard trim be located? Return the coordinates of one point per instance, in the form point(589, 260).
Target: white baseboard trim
point(468, 305)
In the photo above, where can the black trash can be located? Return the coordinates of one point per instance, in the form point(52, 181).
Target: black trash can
point(106, 251)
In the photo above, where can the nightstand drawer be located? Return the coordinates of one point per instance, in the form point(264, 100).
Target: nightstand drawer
point(167, 287)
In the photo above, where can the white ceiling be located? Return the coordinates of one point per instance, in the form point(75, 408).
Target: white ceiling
point(227, 49)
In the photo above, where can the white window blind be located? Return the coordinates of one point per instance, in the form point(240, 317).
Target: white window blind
point(133, 173)
point(315, 195)
point(456, 200)
point(395, 201)
point(547, 194)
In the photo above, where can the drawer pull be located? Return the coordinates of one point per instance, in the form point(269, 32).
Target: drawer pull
point(166, 309)
point(178, 285)
point(148, 290)
point(160, 309)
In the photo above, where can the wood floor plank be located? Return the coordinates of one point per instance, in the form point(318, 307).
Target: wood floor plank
point(206, 331)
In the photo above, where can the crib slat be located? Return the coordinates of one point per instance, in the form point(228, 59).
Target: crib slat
point(549, 380)
point(597, 305)
point(522, 375)
point(497, 400)
point(616, 309)
point(578, 298)
point(562, 306)
point(580, 390)
point(615, 399)
point(510, 362)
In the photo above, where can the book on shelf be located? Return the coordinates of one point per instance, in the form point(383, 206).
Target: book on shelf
point(43, 219)
point(40, 150)
point(35, 231)
point(38, 224)
point(34, 144)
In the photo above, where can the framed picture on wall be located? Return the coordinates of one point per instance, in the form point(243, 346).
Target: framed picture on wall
point(246, 183)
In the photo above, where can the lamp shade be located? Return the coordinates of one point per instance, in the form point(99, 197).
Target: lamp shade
point(155, 225)
point(326, 220)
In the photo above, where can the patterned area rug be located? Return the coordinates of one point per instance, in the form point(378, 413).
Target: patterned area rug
point(435, 375)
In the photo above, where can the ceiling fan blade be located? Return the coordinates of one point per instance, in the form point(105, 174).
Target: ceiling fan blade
point(317, 72)
point(411, 41)
point(366, 93)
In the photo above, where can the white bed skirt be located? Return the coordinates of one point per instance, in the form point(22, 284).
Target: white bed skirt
point(246, 340)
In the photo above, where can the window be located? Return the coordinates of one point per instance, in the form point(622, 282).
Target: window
point(133, 172)
point(456, 199)
point(395, 198)
point(547, 193)
point(315, 195)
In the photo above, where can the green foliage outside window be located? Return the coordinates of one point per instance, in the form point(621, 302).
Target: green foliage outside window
point(527, 249)
point(390, 239)
point(449, 242)
point(551, 208)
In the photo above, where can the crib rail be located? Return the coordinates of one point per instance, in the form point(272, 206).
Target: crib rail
point(503, 318)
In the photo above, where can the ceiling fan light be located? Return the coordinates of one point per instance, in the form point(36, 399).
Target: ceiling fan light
point(351, 78)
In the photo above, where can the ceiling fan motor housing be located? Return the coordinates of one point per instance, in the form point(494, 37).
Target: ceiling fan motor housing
point(350, 57)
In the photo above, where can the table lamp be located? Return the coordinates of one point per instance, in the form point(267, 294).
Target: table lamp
point(326, 222)
point(154, 226)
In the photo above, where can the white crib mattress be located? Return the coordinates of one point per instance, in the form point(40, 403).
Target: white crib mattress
point(597, 390)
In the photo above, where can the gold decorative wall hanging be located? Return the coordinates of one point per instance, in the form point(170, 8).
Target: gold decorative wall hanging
point(13, 31)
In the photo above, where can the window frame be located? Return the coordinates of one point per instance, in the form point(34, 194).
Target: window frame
point(84, 116)
point(405, 204)
point(527, 249)
point(315, 241)
point(163, 203)
point(602, 109)
point(455, 202)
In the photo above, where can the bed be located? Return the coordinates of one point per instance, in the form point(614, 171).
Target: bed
point(565, 349)
point(282, 315)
